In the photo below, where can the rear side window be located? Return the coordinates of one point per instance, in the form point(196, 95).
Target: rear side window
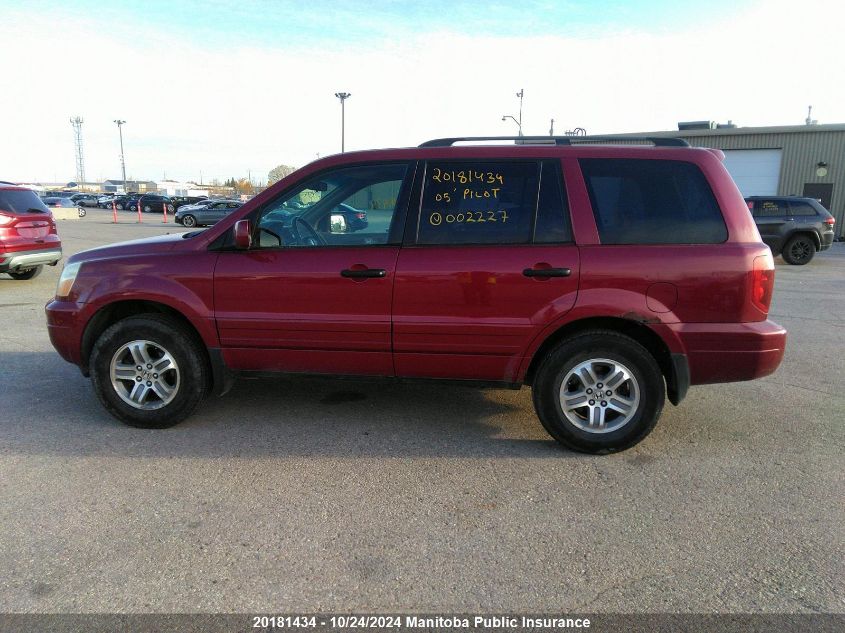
point(21, 201)
point(552, 213)
point(652, 202)
point(478, 203)
point(802, 208)
point(770, 208)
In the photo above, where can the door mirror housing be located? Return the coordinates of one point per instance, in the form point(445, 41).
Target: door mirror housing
point(243, 235)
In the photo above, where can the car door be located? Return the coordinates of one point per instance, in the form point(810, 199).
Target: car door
point(488, 262)
point(310, 296)
point(212, 213)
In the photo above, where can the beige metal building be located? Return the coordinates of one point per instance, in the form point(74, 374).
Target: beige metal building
point(803, 160)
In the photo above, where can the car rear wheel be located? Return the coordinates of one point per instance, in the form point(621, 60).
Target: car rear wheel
point(189, 221)
point(148, 209)
point(599, 392)
point(149, 371)
point(170, 208)
point(27, 273)
point(799, 250)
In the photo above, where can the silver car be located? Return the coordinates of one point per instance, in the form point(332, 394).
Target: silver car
point(206, 213)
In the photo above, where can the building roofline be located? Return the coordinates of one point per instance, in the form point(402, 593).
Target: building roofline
point(736, 131)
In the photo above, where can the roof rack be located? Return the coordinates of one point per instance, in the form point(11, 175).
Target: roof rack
point(560, 140)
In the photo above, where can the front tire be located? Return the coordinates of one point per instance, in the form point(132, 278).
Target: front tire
point(599, 392)
point(29, 273)
point(799, 250)
point(189, 221)
point(149, 371)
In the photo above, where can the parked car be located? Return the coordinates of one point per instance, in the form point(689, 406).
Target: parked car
point(28, 236)
point(180, 201)
point(105, 200)
point(64, 203)
point(59, 194)
point(206, 214)
point(792, 226)
point(122, 202)
point(154, 203)
point(85, 200)
point(587, 271)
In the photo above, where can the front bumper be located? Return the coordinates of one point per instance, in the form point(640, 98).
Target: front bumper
point(21, 260)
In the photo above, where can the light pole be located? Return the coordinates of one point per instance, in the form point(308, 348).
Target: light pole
point(122, 160)
point(519, 94)
point(343, 96)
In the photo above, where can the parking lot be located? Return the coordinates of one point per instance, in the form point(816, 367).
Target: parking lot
point(305, 494)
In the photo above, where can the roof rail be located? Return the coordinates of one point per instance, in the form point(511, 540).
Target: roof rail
point(560, 140)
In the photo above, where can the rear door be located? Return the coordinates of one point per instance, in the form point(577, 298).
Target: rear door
point(488, 261)
point(773, 221)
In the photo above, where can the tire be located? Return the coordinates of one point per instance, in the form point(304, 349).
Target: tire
point(602, 351)
point(170, 208)
point(184, 382)
point(189, 221)
point(119, 207)
point(148, 209)
point(82, 212)
point(799, 250)
point(29, 273)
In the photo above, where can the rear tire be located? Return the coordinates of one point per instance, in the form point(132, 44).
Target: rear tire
point(799, 250)
point(29, 273)
point(599, 392)
point(174, 373)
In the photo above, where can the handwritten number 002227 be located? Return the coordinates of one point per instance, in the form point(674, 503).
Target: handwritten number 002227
point(467, 217)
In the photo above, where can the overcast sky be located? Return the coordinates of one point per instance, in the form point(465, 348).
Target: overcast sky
point(220, 88)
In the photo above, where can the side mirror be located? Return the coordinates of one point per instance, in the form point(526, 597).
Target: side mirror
point(337, 223)
point(243, 235)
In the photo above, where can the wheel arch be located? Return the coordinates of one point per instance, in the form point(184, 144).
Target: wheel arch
point(811, 233)
point(111, 313)
point(677, 377)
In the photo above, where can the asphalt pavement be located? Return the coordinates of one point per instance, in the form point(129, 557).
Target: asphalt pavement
point(317, 495)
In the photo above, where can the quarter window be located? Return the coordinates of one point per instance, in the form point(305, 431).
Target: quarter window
point(802, 208)
point(652, 202)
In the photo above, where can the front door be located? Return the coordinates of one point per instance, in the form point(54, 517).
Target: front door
point(488, 264)
point(312, 294)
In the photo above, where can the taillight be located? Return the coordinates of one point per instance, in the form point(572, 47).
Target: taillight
point(361, 216)
point(830, 221)
point(762, 282)
point(750, 204)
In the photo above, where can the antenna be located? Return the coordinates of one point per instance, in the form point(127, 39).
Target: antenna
point(76, 122)
point(809, 120)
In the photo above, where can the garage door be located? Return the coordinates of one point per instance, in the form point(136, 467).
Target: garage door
point(755, 171)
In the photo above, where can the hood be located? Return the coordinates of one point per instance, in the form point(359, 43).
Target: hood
point(144, 246)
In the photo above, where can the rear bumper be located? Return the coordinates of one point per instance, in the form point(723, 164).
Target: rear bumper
point(17, 260)
point(826, 241)
point(730, 352)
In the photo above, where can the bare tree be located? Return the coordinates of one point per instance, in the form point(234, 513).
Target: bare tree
point(277, 173)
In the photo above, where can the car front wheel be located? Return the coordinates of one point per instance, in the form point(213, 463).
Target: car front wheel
point(799, 250)
point(189, 221)
point(149, 371)
point(599, 392)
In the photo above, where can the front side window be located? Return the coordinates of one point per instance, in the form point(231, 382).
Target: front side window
point(652, 202)
point(478, 202)
point(352, 206)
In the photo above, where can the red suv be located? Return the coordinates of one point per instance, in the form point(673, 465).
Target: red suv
point(605, 276)
point(28, 237)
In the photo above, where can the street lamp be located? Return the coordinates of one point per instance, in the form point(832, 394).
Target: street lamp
point(519, 94)
point(343, 96)
point(122, 160)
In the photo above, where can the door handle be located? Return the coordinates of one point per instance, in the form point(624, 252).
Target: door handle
point(364, 273)
point(547, 272)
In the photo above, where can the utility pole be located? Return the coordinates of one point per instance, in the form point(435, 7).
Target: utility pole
point(343, 96)
point(76, 122)
point(552, 128)
point(122, 159)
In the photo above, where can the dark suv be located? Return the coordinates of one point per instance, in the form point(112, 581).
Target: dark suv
point(607, 277)
point(794, 227)
point(28, 237)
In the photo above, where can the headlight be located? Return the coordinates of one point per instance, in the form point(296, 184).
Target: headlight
point(69, 273)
